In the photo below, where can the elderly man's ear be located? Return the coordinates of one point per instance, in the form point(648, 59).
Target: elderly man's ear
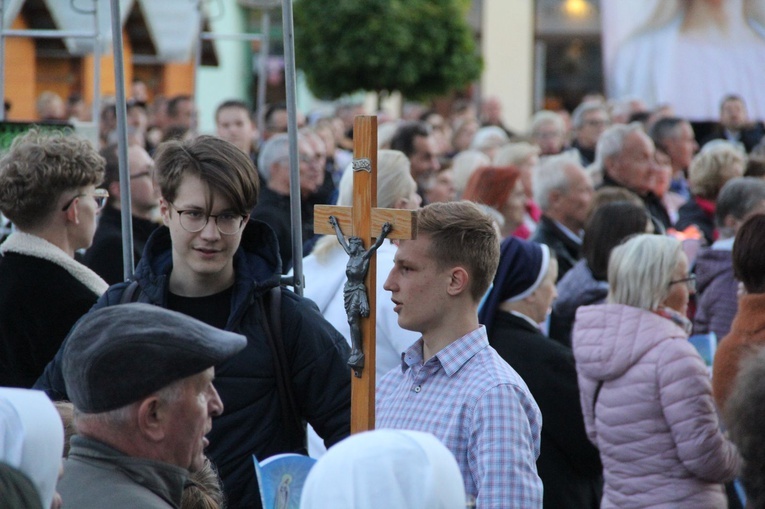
point(151, 417)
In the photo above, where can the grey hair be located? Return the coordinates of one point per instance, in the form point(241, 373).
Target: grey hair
point(577, 117)
point(666, 128)
point(737, 198)
point(611, 143)
point(463, 166)
point(120, 418)
point(274, 149)
point(639, 270)
point(515, 153)
point(551, 176)
point(489, 137)
point(546, 116)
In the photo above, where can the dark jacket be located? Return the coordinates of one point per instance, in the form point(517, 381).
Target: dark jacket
point(567, 251)
point(653, 204)
point(749, 137)
point(578, 288)
point(691, 213)
point(274, 210)
point(568, 464)
point(40, 300)
point(717, 292)
point(586, 155)
point(104, 256)
point(96, 476)
point(252, 422)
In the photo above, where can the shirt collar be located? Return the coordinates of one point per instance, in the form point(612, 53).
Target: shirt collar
point(524, 317)
point(568, 233)
point(451, 357)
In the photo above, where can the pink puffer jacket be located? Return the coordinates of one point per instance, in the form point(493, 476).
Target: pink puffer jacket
point(654, 421)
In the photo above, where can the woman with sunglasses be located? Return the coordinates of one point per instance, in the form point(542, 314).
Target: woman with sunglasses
point(644, 390)
point(48, 190)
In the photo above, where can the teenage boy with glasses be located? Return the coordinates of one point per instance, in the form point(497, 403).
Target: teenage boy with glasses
point(216, 273)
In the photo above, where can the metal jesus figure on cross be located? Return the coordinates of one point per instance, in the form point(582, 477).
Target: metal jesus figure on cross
point(362, 221)
point(354, 292)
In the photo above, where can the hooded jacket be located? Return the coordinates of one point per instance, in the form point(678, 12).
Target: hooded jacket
point(251, 423)
point(654, 420)
point(717, 300)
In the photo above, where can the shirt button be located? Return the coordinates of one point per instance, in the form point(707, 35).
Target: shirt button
point(417, 388)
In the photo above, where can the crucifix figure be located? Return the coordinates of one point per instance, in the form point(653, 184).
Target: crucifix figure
point(354, 292)
point(362, 221)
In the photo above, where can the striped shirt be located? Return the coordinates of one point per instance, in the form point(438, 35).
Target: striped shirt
point(480, 408)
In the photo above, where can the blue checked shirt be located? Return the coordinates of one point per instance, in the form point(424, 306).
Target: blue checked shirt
point(480, 408)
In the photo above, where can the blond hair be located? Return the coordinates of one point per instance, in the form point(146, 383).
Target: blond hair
point(39, 168)
point(394, 182)
point(711, 168)
point(461, 234)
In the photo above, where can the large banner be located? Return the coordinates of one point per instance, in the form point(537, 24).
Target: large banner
point(686, 53)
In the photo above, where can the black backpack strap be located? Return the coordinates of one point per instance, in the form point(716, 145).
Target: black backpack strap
point(272, 325)
point(131, 293)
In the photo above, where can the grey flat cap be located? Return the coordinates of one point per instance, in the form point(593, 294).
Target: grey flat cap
point(118, 355)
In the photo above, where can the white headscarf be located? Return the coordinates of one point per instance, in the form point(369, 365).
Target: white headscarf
point(32, 438)
point(383, 469)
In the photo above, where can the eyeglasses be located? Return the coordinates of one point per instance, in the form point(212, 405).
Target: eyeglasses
point(597, 123)
point(99, 195)
point(193, 221)
point(689, 281)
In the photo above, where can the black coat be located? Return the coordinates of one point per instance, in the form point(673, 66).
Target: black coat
point(691, 213)
point(566, 250)
point(653, 205)
point(569, 465)
point(104, 256)
point(749, 137)
point(252, 418)
point(39, 303)
point(274, 210)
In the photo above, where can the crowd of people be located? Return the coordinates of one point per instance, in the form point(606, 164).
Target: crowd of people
point(532, 339)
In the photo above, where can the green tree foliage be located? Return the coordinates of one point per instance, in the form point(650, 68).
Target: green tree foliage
point(421, 48)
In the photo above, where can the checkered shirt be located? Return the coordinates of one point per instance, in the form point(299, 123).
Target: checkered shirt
point(480, 408)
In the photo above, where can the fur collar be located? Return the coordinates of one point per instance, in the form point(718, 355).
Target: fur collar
point(32, 245)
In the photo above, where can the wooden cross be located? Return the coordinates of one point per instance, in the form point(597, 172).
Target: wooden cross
point(365, 220)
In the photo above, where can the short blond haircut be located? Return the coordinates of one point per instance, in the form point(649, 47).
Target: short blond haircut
point(714, 166)
point(461, 234)
point(39, 168)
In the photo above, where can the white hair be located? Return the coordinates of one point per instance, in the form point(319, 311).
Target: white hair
point(551, 176)
point(489, 137)
point(640, 270)
point(611, 143)
point(463, 166)
point(577, 117)
point(515, 153)
point(547, 117)
point(119, 418)
point(275, 148)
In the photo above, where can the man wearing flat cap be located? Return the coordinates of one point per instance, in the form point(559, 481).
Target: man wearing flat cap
point(141, 381)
